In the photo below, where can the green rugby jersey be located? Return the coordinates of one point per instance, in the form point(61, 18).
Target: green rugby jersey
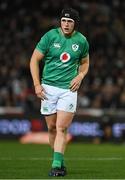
point(62, 57)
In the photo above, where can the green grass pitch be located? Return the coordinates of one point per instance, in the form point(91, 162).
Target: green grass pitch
point(83, 161)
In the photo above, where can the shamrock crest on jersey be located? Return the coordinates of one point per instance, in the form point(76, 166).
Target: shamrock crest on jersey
point(75, 47)
point(64, 57)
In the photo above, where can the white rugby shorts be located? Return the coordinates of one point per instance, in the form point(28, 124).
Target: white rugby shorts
point(58, 99)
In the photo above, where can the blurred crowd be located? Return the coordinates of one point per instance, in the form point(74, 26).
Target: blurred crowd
point(22, 23)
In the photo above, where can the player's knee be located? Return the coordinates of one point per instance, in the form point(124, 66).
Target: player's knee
point(62, 129)
point(52, 129)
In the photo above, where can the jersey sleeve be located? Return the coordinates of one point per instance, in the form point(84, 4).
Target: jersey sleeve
point(85, 51)
point(42, 45)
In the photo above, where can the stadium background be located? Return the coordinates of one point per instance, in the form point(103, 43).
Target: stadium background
point(101, 101)
point(99, 124)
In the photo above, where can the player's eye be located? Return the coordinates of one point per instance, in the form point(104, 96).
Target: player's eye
point(69, 21)
point(63, 20)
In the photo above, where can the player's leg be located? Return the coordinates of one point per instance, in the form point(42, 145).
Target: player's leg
point(51, 124)
point(64, 119)
point(66, 108)
point(48, 109)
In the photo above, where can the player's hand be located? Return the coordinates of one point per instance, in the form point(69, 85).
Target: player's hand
point(40, 92)
point(75, 83)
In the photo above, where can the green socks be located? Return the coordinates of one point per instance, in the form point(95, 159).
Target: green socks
point(63, 164)
point(58, 160)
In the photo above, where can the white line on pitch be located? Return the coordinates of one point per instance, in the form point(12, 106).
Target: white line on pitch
point(67, 159)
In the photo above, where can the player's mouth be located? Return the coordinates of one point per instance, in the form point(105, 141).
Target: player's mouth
point(66, 29)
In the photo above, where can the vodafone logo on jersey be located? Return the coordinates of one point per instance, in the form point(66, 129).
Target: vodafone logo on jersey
point(64, 57)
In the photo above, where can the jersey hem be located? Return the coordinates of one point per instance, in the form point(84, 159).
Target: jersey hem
point(51, 84)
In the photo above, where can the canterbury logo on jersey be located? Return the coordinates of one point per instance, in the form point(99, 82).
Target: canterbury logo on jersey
point(64, 57)
point(57, 45)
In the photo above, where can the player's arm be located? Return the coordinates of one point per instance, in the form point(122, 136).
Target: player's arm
point(34, 68)
point(83, 69)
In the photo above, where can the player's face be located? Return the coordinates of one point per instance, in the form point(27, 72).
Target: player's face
point(67, 26)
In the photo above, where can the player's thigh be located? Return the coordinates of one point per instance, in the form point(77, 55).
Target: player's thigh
point(64, 119)
point(51, 120)
point(48, 106)
point(67, 101)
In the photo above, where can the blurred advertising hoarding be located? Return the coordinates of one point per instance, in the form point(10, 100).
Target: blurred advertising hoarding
point(87, 125)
